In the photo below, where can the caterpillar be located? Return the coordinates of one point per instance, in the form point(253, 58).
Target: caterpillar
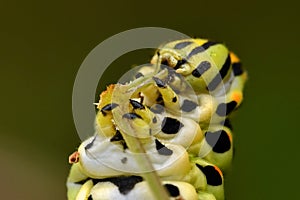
point(178, 107)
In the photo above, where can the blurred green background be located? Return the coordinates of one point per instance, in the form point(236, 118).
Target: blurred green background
point(43, 43)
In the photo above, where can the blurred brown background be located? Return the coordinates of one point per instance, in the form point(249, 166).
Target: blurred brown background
point(43, 44)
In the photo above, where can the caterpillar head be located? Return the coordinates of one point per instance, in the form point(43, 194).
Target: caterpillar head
point(204, 64)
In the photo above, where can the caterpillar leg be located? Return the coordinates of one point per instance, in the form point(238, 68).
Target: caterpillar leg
point(84, 191)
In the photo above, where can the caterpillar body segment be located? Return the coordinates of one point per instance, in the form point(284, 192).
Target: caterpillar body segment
point(217, 147)
point(187, 187)
point(214, 178)
point(114, 161)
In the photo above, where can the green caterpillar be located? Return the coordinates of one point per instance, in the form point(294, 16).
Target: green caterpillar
point(178, 108)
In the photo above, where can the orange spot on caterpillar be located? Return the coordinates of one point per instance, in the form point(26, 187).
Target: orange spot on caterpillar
point(237, 97)
point(219, 171)
point(230, 137)
point(234, 58)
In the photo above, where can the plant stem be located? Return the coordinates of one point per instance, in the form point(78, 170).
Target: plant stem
point(150, 175)
point(134, 143)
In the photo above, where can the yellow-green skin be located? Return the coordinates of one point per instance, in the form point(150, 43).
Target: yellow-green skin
point(197, 156)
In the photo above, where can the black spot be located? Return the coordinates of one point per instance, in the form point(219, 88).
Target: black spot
point(172, 189)
point(226, 108)
point(227, 123)
point(195, 51)
point(219, 141)
point(162, 149)
point(219, 77)
point(138, 75)
point(108, 107)
point(154, 120)
point(174, 99)
point(89, 145)
point(158, 109)
point(136, 105)
point(124, 160)
point(119, 138)
point(179, 63)
point(170, 125)
point(201, 68)
point(209, 44)
point(237, 68)
point(188, 105)
point(213, 177)
point(159, 82)
point(181, 45)
point(164, 65)
point(201, 48)
point(159, 99)
point(124, 183)
point(90, 197)
point(214, 83)
point(131, 116)
point(226, 66)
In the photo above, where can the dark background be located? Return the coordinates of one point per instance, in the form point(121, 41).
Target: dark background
point(44, 43)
